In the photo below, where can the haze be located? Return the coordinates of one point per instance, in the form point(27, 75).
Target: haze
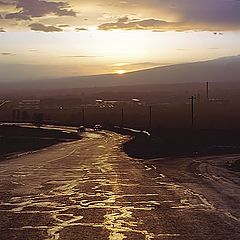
point(49, 39)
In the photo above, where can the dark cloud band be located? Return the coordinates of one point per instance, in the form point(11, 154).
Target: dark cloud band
point(43, 28)
point(37, 8)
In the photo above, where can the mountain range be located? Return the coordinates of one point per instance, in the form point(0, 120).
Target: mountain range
point(226, 69)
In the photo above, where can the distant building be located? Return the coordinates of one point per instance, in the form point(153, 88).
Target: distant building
point(29, 104)
point(99, 101)
point(218, 101)
point(136, 101)
point(114, 103)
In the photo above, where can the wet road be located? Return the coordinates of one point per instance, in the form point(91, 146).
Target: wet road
point(90, 189)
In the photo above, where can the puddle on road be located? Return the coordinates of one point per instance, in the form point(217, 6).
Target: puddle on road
point(101, 146)
point(70, 197)
point(118, 219)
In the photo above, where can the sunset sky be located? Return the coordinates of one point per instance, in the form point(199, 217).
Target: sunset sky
point(50, 38)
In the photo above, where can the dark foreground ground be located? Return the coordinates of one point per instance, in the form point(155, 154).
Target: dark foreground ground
point(15, 139)
point(91, 190)
point(183, 143)
point(161, 143)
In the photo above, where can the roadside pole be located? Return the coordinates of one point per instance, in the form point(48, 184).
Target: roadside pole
point(193, 132)
point(83, 117)
point(122, 117)
point(193, 111)
point(150, 118)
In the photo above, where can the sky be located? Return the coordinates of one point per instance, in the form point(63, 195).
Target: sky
point(52, 38)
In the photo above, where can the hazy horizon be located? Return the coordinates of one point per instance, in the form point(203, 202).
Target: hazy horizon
point(47, 72)
point(47, 39)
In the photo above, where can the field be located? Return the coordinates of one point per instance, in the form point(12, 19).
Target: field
point(15, 139)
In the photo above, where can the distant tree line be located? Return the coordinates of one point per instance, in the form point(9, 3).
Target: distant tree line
point(37, 118)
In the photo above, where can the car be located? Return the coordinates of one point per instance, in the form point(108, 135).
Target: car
point(97, 127)
point(81, 129)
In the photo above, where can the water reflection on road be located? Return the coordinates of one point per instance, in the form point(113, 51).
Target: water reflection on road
point(91, 190)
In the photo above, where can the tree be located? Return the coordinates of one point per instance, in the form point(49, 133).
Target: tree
point(25, 116)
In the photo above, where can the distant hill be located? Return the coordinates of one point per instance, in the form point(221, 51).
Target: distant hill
point(225, 69)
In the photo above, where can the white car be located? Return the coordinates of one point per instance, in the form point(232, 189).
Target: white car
point(97, 127)
point(81, 129)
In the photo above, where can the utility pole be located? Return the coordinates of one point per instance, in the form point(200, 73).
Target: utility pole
point(207, 90)
point(150, 118)
point(122, 117)
point(193, 110)
point(83, 116)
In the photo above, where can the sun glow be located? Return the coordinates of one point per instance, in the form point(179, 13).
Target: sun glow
point(120, 72)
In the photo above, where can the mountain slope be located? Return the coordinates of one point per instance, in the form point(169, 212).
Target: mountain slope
point(218, 70)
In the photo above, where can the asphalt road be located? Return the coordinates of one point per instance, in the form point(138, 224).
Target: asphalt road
point(90, 189)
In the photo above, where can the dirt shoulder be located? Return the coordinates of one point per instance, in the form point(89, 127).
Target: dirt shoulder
point(15, 139)
point(183, 143)
point(211, 178)
point(205, 164)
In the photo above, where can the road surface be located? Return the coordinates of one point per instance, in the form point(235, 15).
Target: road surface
point(90, 189)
